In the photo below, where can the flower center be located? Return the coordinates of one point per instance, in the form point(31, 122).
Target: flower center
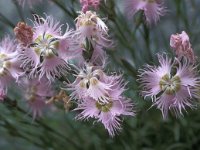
point(2, 57)
point(86, 83)
point(88, 19)
point(4, 63)
point(170, 85)
point(90, 77)
point(46, 45)
point(104, 107)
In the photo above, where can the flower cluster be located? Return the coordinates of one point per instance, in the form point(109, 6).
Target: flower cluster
point(100, 97)
point(45, 51)
point(92, 35)
point(42, 55)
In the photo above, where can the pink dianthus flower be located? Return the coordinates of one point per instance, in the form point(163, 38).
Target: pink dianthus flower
point(10, 69)
point(100, 97)
point(36, 93)
point(172, 85)
point(90, 28)
point(48, 53)
point(109, 114)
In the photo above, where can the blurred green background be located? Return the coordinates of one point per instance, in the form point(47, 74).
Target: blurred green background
point(135, 45)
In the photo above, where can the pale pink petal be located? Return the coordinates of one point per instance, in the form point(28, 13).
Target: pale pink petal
point(153, 11)
point(30, 59)
point(88, 108)
point(164, 103)
point(36, 106)
point(53, 67)
point(133, 6)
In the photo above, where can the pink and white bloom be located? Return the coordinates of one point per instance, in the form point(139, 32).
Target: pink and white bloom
point(93, 82)
point(86, 4)
point(153, 9)
point(91, 29)
point(180, 43)
point(29, 3)
point(50, 50)
point(99, 96)
point(109, 114)
point(170, 90)
point(36, 93)
point(10, 69)
point(89, 25)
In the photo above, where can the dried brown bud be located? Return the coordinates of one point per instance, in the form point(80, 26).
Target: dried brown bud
point(24, 33)
point(61, 96)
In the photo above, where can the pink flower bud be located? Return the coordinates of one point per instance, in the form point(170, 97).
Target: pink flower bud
point(180, 43)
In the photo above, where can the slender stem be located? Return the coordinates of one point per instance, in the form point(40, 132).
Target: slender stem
point(12, 103)
point(63, 8)
point(19, 10)
point(129, 67)
point(123, 37)
point(147, 40)
point(11, 129)
point(6, 21)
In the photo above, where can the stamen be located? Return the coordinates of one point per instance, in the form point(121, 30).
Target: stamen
point(104, 107)
point(61, 96)
point(46, 45)
point(4, 64)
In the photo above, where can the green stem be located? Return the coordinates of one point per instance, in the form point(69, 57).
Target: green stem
point(14, 131)
point(64, 9)
point(12, 103)
point(19, 10)
point(146, 36)
point(129, 67)
point(6, 21)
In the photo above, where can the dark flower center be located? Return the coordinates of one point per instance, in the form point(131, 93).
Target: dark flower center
point(104, 107)
point(170, 85)
point(46, 45)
